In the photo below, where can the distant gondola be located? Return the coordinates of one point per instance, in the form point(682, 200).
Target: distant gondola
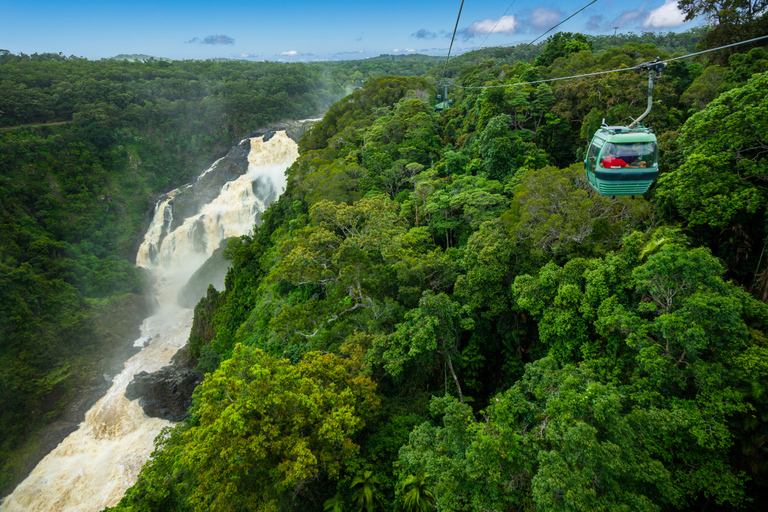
point(624, 160)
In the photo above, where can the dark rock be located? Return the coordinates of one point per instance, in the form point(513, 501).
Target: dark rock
point(206, 188)
point(212, 272)
point(166, 393)
point(293, 129)
point(48, 439)
point(183, 359)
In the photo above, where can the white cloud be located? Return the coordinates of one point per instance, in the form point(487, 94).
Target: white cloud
point(406, 50)
point(504, 25)
point(666, 16)
point(544, 17)
point(292, 53)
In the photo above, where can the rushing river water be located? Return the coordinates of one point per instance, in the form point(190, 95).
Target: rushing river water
point(92, 468)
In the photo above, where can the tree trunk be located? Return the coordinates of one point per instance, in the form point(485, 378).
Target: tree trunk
point(455, 378)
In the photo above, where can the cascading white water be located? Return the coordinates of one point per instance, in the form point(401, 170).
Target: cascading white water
point(92, 468)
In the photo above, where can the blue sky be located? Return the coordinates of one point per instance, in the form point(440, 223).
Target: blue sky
point(300, 30)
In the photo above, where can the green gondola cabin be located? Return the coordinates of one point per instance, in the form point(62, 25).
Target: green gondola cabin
point(622, 161)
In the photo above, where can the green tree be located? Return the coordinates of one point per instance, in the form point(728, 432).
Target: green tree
point(364, 491)
point(721, 180)
point(342, 253)
point(704, 88)
point(562, 44)
point(416, 496)
point(733, 19)
point(264, 429)
point(435, 326)
point(584, 448)
point(488, 270)
point(496, 148)
point(556, 212)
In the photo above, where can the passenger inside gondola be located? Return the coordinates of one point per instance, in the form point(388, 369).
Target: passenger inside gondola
point(612, 161)
point(639, 155)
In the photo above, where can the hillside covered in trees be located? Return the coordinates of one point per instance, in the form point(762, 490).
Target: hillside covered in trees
point(439, 313)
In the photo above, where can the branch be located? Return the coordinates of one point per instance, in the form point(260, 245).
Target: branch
point(335, 317)
point(307, 335)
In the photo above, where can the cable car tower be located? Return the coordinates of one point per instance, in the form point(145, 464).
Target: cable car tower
point(624, 160)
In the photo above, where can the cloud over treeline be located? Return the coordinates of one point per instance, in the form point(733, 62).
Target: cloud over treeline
point(294, 53)
point(666, 16)
point(217, 39)
point(505, 25)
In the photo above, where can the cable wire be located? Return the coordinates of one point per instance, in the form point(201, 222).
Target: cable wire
point(497, 23)
point(452, 38)
point(639, 66)
point(718, 48)
point(445, 67)
point(552, 28)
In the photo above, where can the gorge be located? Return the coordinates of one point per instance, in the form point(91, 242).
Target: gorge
point(92, 467)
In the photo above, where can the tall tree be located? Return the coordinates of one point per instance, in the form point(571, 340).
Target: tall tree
point(734, 20)
point(435, 326)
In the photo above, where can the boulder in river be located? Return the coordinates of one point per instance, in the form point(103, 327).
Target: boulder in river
point(166, 393)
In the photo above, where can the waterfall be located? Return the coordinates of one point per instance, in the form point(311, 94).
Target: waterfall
point(92, 468)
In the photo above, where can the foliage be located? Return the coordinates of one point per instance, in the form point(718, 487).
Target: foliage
point(554, 211)
point(285, 427)
point(434, 326)
point(562, 44)
point(732, 20)
point(728, 175)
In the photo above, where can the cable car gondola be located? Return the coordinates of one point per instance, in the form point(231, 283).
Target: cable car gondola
point(624, 160)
